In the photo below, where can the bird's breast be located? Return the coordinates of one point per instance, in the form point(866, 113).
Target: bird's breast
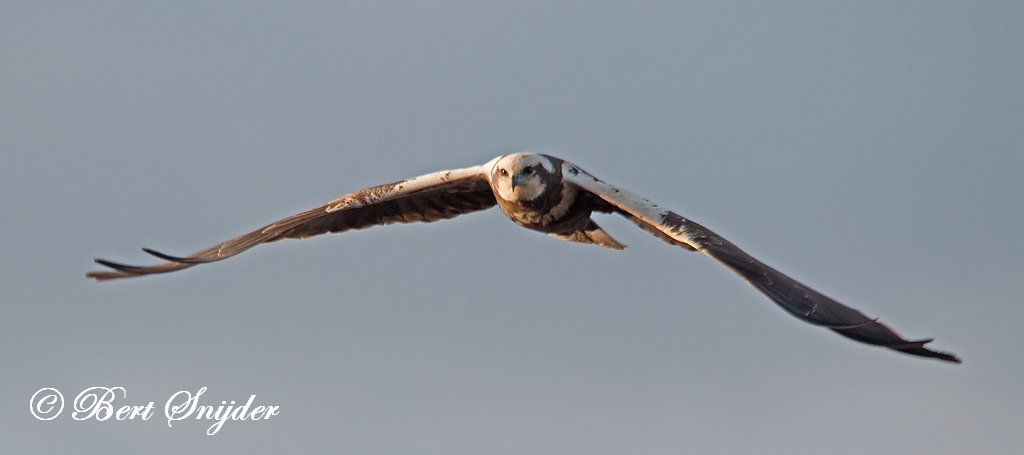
point(546, 213)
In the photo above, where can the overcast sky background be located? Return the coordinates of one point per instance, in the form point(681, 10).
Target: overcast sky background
point(874, 151)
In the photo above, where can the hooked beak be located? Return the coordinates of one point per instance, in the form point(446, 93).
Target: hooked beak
point(517, 179)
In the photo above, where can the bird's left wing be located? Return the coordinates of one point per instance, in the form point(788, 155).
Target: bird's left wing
point(794, 297)
point(427, 198)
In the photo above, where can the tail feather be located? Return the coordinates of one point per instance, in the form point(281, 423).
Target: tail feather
point(592, 233)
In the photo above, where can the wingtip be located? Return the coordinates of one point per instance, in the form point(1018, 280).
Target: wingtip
point(93, 275)
point(111, 264)
point(119, 270)
point(945, 356)
point(105, 275)
point(167, 257)
point(918, 348)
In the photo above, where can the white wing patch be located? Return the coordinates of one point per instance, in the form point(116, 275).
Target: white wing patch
point(792, 296)
point(447, 194)
point(637, 206)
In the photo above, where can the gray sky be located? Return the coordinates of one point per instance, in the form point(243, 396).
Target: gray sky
point(874, 151)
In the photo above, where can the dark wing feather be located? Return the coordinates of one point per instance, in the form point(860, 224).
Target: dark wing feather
point(793, 296)
point(427, 198)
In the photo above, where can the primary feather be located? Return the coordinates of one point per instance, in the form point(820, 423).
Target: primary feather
point(550, 195)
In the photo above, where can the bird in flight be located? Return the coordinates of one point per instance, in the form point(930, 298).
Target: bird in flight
point(549, 195)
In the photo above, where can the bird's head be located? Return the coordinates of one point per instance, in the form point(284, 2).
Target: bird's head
point(521, 176)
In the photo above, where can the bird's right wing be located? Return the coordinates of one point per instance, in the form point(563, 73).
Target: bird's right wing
point(794, 297)
point(427, 198)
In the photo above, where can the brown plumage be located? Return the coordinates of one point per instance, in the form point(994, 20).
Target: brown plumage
point(549, 195)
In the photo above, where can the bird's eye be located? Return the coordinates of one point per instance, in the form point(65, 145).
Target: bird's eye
point(527, 170)
point(504, 173)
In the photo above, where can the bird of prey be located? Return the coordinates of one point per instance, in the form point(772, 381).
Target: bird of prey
point(549, 195)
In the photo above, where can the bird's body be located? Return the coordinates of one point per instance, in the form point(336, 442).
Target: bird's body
point(542, 200)
point(553, 196)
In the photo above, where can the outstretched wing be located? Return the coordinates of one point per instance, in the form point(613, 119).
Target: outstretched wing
point(427, 198)
point(793, 296)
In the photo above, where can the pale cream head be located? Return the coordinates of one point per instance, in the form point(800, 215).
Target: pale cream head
point(520, 176)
